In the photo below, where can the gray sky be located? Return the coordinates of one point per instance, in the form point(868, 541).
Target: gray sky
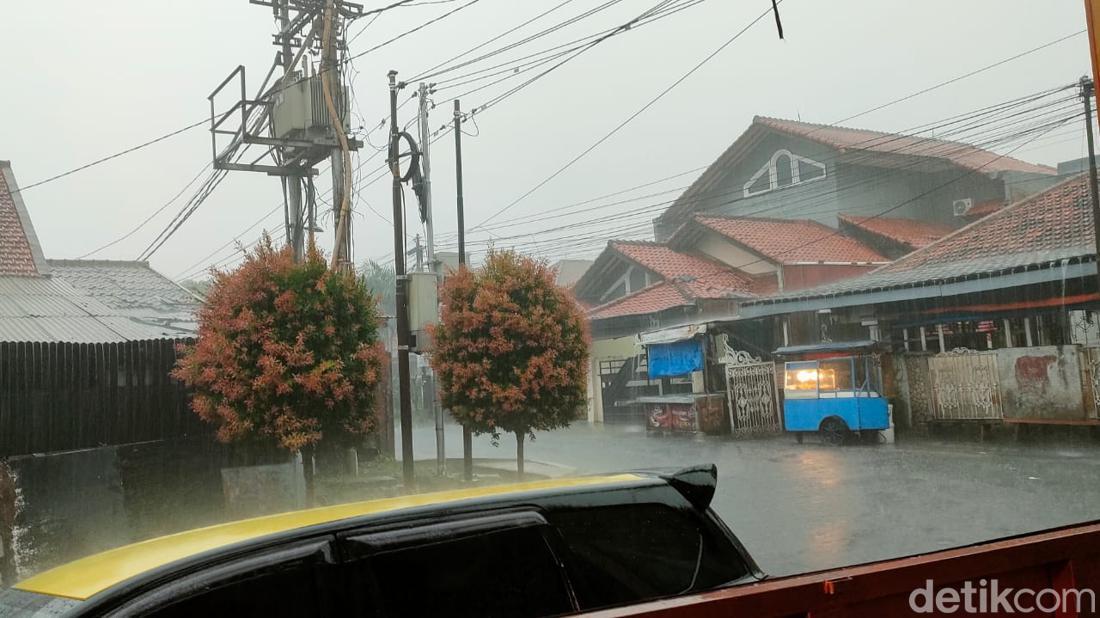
point(86, 79)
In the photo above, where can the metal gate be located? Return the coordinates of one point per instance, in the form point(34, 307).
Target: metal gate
point(965, 386)
point(750, 393)
point(1092, 364)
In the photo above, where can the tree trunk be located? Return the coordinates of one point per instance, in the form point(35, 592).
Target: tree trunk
point(519, 454)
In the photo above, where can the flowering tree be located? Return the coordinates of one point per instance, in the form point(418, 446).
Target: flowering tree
point(286, 353)
point(511, 349)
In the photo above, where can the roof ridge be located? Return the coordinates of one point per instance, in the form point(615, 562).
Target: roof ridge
point(81, 262)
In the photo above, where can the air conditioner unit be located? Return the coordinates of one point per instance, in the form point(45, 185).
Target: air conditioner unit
point(962, 207)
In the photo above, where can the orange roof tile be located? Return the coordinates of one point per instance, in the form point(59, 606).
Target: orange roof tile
point(791, 241)
point(16, 256)
point(657, 297)
point(909, 232)
point(963, 155)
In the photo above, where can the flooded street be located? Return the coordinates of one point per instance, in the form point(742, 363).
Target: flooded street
point(807, 507)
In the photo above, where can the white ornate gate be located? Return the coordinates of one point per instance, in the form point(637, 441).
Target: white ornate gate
point(750, 393)
point(965, 386)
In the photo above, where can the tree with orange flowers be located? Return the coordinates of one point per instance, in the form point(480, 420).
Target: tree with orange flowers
point(286, 353)
point(511, 349)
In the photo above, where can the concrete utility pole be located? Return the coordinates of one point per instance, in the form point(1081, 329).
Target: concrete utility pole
point(300, 120)
point(1087, 91)
point(467, 435)
point(294, 233)
point(403, 380)
point(426, 170)
point(426, 196)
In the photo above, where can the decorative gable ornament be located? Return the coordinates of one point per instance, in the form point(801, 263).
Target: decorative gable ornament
point(783, 169)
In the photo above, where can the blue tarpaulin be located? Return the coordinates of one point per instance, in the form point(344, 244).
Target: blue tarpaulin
point(675, 359)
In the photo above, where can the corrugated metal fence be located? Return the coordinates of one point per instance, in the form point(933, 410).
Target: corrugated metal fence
point(64, 396)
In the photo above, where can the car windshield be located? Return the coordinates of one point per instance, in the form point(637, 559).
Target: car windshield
point(292, 254)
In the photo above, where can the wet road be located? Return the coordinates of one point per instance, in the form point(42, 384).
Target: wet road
point(807, 507)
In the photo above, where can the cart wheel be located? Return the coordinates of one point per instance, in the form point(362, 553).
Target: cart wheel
point(798, 437)
point(834, 431)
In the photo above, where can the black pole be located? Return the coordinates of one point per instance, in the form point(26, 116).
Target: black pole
point(467, 435)
point(403, 380)
point(1087, 91)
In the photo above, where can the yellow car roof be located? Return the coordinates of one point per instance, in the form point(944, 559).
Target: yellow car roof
point(85, 577)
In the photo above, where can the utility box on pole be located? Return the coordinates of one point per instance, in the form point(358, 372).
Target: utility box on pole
point(423, 306)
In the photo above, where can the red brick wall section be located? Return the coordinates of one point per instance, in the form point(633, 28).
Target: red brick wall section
point(15, 251)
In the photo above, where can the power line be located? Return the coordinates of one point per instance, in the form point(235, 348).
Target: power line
point(150, 217)
point(622, 124)
point(113, 156)
point(930, 146)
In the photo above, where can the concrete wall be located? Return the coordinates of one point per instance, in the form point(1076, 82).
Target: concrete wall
point(865, 190)
point(1041, 383)
point(720, 248)
point(59, 507)
point(604, 349)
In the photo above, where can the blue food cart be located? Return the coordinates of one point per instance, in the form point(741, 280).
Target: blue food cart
point(834, 389)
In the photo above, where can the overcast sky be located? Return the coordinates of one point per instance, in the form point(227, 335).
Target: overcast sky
point(86, 79)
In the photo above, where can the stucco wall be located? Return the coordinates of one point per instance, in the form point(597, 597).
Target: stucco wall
point(1041, 383)
point(603, 349)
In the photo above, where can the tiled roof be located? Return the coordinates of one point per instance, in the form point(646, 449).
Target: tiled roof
point(844, 138)
point(48, 309)
point(17, 242)
point(1045, 228)
point(791, 241)
point(703, 276)
point(655, 298)
point(130, 288)
point(908, 232)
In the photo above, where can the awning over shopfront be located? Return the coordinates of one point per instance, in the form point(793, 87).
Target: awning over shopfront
point(672, 335)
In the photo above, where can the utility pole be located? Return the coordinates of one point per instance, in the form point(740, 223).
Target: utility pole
point(1087, 91)
point(294, 237)
point(467, 435)
point(283, 117)
point(426, 195)
point(403, 381)
point(426, 169)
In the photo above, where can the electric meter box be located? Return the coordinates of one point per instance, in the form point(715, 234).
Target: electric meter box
point(423, 291)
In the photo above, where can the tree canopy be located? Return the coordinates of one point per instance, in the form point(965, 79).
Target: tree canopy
point(286, 352)
point(511, 349)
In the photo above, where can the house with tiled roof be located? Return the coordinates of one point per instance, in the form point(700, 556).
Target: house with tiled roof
point(72, 301)
point(792, 169)
point(1022, 271)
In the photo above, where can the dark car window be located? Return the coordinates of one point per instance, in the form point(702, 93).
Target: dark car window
point(507, 573)
point(289, 589)
point(626, 553)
